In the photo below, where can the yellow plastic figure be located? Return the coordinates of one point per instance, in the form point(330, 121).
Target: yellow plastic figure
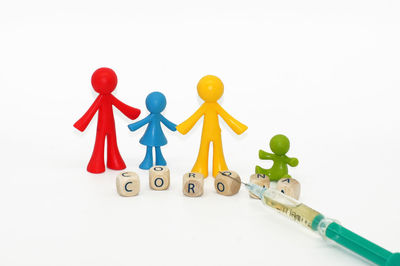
point(210, 89)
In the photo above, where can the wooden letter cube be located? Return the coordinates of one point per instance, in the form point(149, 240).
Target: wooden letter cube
point(193, 184)
point(225, 185)
point(289, 186)
point(128, 184)
point(159, 177)
point(261, 180)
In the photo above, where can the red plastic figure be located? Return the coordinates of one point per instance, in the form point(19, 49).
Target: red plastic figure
point(104, 81)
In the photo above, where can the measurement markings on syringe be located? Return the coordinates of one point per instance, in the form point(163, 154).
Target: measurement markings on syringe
point(295, 216)
point(300, 213)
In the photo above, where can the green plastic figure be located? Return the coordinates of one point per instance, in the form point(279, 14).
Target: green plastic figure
point(279, 145)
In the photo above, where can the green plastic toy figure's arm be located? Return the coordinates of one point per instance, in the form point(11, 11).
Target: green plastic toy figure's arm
point(291, 161)
point(236, 126)
point(265, 155)
point(188, 124)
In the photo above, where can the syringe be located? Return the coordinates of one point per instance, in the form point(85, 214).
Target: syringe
point(327, 228)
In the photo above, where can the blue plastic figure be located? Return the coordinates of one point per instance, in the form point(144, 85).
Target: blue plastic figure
point(154, 136)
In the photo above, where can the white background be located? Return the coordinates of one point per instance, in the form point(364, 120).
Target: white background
point(324, 73)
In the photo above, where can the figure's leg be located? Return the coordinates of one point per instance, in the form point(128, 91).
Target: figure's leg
point(114, 159)
point(159, 157)
point(96, 163)
point(201, 165)
point(267, 172)
point(148, 159)
point(219, 163)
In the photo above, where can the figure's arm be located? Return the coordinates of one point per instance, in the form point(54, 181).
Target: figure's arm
point(127, 110)
point(236, 126)
point(84, 121)
point(265, 155)
point(139, 124)
point(187, 125)
point(291, 161)
point(171, 126)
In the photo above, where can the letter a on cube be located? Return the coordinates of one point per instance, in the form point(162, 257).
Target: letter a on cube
point(289, 186)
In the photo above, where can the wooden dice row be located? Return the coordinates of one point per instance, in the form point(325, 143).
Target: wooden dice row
point(128, 183)
point(226, 183)
point(288, 186)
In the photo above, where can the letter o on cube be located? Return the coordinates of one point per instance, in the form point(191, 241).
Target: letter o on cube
point(289, 186)
point(159, 177)
point(261, 180)
point(128, 184)
point(225, 184)
point(193, 184)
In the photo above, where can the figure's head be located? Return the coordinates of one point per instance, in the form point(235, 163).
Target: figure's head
point(104, 80)
point(210, 88)
point(279, 144)
point(156, 102)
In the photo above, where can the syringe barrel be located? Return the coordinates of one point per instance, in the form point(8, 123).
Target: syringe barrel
point(292, 208)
